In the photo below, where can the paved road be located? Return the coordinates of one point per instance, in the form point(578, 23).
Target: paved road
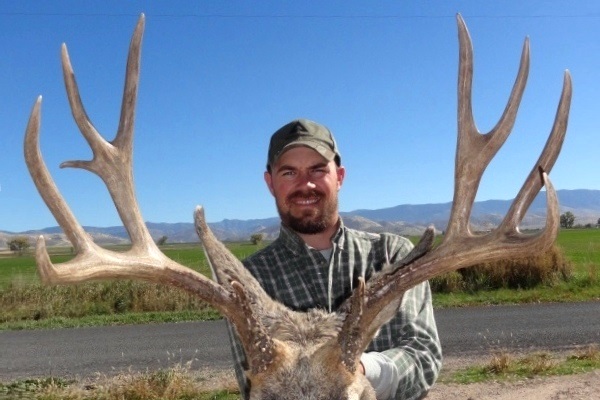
point(466, 331)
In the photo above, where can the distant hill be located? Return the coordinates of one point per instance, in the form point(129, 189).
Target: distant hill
point(583, 203)
point(406, 219)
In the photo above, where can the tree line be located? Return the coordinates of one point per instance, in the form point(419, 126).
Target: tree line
point(567, 220)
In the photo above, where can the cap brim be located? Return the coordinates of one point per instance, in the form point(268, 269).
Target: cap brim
point(324, 151)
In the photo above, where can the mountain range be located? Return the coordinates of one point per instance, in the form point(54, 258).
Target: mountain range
point(406, 219)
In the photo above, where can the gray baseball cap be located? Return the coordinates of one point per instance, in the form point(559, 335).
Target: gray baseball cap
point(303, 132)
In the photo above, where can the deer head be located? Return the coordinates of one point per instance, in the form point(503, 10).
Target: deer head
point(295, 355)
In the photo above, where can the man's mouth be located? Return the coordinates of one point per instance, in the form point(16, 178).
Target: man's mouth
point(304, 199)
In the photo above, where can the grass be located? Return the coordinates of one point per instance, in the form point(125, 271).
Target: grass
point(177, 383)
point(581, 247)
point(112, 319)
point(505, 367)
point(22, 269)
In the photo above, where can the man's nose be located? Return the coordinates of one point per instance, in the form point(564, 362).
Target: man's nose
point(310, 184)
point(307, 181)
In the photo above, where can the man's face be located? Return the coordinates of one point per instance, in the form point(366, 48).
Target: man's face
point(305, 186)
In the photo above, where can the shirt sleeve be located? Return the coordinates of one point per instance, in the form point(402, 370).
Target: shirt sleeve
point(418, 357)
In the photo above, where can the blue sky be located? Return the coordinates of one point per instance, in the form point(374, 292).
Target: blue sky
point(218, 77)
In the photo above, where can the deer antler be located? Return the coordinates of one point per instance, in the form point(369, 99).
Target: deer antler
point(112, 162)
point(460, 247)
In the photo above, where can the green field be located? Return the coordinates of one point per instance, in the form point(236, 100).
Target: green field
point(26, 304)
point(22, 269)
point(581, 246)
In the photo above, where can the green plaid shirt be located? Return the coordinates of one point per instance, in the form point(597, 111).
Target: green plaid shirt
point(302, 278)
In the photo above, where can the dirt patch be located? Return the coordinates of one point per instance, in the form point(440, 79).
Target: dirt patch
point(569, 387)
point(572, 387)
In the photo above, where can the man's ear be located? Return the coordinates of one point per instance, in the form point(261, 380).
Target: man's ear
point(269, 182)
point(341, 174)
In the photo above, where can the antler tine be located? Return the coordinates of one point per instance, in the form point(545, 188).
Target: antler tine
point(533, 183)
point(81, 118)
point(124, 138)
point(113, 162)
point(46, 186)
point(352, 335)
point(474, 150)
point(225, 267)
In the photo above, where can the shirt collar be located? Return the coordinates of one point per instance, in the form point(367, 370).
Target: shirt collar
point(293, 242)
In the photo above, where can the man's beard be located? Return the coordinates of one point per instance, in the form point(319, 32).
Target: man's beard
point(310, 223)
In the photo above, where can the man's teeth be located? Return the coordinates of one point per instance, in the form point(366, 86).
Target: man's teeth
point(306, 201)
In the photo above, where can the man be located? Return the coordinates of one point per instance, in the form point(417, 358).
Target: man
point(317, 260)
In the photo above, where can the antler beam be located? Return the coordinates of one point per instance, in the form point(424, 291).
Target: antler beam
point(460, 247)
point(112, 162)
